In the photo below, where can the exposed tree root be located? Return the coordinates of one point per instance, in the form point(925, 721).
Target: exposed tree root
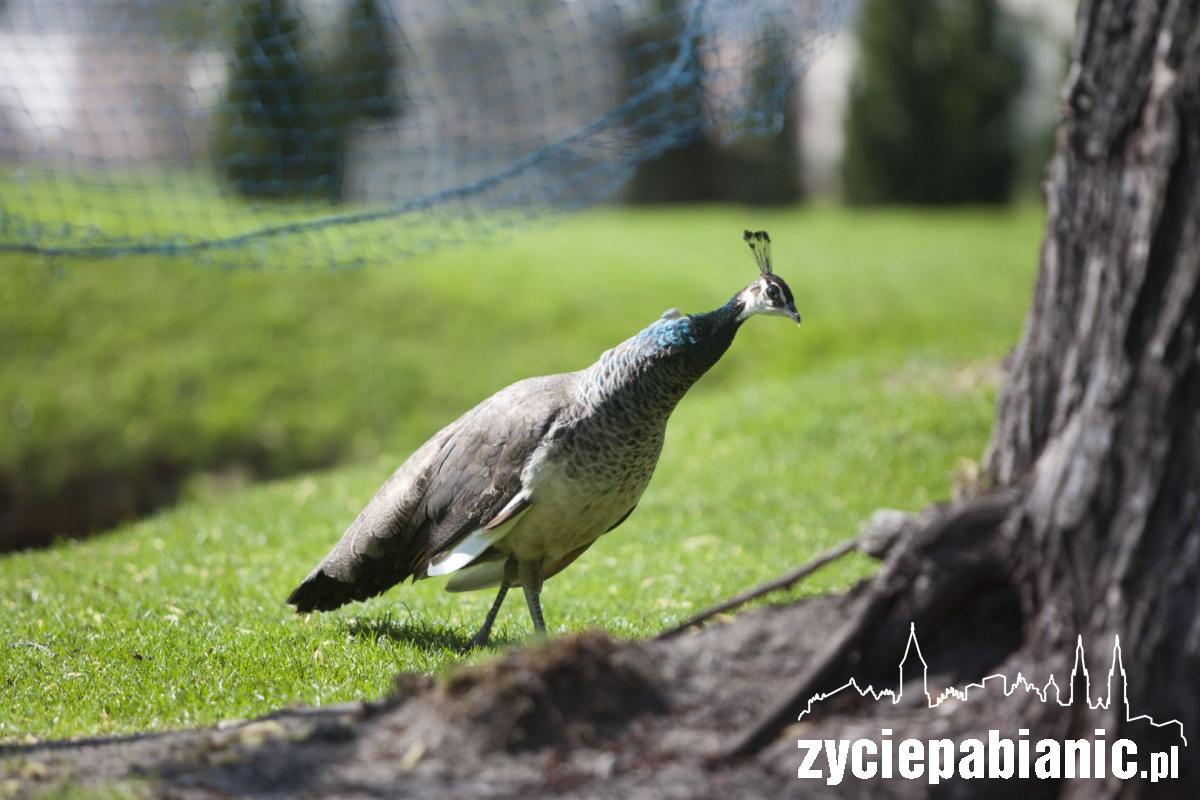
point(946, 553)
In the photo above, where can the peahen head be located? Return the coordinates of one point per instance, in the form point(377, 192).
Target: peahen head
point(769, 294)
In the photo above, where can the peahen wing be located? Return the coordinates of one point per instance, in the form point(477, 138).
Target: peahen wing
point(464, 479)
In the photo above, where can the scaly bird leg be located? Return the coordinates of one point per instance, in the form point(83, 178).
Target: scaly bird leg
point(481, 639)
point(531, 582)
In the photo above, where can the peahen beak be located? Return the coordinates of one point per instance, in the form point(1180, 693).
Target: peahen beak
point(793, 313)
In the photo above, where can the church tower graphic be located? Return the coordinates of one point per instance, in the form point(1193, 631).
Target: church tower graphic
point(913, 666)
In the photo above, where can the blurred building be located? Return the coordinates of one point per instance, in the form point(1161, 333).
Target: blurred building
point(79, 85)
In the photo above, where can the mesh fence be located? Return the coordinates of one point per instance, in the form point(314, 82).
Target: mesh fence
point(332, 132)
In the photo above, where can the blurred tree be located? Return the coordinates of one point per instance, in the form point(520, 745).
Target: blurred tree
point(366, 69)
point(274, 139)
point(766, 170)
point(931, 113)
point(288, 110)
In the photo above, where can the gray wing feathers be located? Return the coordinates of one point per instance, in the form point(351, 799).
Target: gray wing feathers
point(387, 515)
point(455, 483)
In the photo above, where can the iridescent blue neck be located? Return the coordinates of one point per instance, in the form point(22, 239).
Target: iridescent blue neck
point(656, 367)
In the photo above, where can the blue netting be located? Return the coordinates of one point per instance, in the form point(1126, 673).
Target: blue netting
point(357, 130)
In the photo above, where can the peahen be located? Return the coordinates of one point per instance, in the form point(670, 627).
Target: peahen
point(520, 486)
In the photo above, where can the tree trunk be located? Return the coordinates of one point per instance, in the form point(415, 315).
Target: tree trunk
point(1099, 420)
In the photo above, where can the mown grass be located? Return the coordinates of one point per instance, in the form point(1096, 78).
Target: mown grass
point(782, 450)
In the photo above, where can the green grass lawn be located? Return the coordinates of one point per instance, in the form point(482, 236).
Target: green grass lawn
point(783, 449)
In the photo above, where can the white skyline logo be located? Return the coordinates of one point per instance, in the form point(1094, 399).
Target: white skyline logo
point(1043, 692)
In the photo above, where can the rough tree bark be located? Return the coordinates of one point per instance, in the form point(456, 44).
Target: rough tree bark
point(1091, 524)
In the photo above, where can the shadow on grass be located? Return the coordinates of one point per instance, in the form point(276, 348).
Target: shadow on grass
point(425, 636)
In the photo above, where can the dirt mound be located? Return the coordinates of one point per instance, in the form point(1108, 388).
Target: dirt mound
point(572, 693)
point(581, 716)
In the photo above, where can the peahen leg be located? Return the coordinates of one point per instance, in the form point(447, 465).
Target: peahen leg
point(481, 639)
point(531, 581)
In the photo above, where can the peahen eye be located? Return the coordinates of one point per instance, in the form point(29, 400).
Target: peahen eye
point(773, 292)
